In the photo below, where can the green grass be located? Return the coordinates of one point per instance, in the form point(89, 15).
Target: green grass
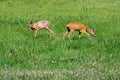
point(22, 57)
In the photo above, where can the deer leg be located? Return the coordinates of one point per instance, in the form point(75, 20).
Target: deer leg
point(66, 33)
point(35, 33)
point(88, 35)
point(51, 32)
point(69, 34)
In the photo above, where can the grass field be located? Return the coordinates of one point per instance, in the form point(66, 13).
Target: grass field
point(24, 58)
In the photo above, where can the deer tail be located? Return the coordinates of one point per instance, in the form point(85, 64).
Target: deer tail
point(68, 29)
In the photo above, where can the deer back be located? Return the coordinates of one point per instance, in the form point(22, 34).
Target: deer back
point(43, 24)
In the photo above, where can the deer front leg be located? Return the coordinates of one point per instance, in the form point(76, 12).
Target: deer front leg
point(51, 32)
point(83, 31)
point(35, 34)
point(66, 33)
point(69, 34)
point(88, 35)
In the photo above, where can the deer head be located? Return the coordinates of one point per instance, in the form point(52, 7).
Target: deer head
point(94, 32)
point(29, 25)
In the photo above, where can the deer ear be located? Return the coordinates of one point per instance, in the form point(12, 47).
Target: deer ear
point(30, 22)
point(94, 29)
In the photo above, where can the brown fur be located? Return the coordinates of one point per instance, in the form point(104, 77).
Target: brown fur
point(81, 28)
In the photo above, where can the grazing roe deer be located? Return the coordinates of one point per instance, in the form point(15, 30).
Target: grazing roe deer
point(44, 24)
point(81, 28)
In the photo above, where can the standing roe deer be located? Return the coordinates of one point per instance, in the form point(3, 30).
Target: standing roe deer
point(44, 24)
point(81, 28)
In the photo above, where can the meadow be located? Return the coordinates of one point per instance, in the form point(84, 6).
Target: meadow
point(24, 58)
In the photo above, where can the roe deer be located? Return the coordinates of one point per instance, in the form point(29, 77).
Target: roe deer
point(44, 24)
point(81, 28)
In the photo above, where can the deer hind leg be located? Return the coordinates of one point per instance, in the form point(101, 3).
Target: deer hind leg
point(51, 32)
